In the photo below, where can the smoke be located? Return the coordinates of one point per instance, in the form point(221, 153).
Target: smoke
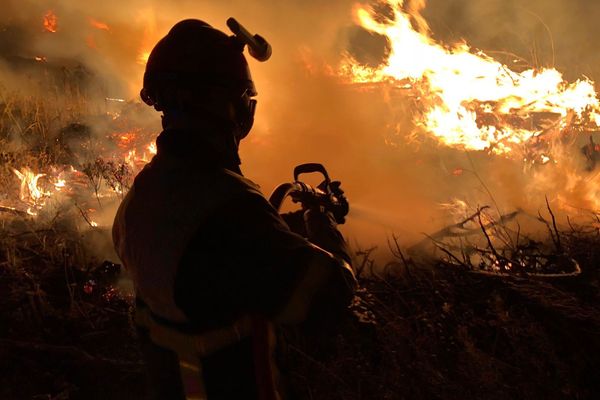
point(551, 33)
point(305, 115)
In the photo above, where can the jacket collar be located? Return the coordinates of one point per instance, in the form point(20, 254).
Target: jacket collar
point(192, 147)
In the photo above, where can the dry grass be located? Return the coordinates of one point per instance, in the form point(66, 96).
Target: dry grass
point(64, 325)
point(427, 332)
point(62, 318)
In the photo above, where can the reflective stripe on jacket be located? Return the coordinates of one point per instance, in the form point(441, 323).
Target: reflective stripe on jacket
point(191, 348)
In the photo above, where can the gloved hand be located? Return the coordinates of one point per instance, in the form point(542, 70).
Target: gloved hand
point(295, 220)
point(321, 229)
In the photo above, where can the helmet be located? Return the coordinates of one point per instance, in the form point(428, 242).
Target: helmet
point(196, 64)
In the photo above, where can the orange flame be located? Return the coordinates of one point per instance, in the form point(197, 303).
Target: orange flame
point(467, 99)
point(50, 22)
point(147, 17)
point(152, 149)
point(143, 57)
point(30, 192)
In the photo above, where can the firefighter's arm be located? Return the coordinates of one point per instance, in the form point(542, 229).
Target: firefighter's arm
point(247, 260)
point(329, 283)
point(320, 228)
point(326, 287)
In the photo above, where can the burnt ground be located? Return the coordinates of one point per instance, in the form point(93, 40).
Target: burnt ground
point(415, 331)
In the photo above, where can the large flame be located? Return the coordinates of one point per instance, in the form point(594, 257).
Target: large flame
point(467, 99)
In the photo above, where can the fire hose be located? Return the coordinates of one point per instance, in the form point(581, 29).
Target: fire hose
point(327, 196)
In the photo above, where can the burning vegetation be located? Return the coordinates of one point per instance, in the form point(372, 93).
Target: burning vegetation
point(464, 99)
point(486, 306)
point(467, 99)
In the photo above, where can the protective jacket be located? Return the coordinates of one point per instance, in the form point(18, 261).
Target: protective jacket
point(214, 266)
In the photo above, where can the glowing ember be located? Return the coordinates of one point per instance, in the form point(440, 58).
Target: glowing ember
point(50, 22)
point(127, 139)
point(458, 171)
point(467, 99)
point(99, 25)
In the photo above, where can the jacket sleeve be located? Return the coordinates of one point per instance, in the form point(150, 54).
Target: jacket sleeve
point(244, 259)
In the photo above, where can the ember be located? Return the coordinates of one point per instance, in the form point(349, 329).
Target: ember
point(50, 22)
point(99, 25)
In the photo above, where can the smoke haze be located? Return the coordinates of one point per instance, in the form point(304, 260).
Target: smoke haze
point(306, 115)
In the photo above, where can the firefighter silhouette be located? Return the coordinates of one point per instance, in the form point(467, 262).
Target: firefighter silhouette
point(215, 267)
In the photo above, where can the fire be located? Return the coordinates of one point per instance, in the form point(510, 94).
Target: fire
point(152, 148)
point(147, 17)
point(50, 22)
point(467, 99)
point(30, 192)
point(136, 160)
point(143, 57)
point(60, 184)
point(126, 139)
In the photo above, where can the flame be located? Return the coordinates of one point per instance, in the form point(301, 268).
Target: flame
point(60, 184)
point(30, 192)
point(467, 99)
point(126, 140)
point(50, 22)
point(143, 57)
point(136, 160)
point(152, 149)
point(147, 18)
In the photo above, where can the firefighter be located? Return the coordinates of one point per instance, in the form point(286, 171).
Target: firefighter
point(215, 267)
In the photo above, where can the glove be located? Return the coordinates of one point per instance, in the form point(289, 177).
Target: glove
point(295, 221)
point(321, 229)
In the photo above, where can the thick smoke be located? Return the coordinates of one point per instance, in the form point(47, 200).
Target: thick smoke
point(306, 115)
